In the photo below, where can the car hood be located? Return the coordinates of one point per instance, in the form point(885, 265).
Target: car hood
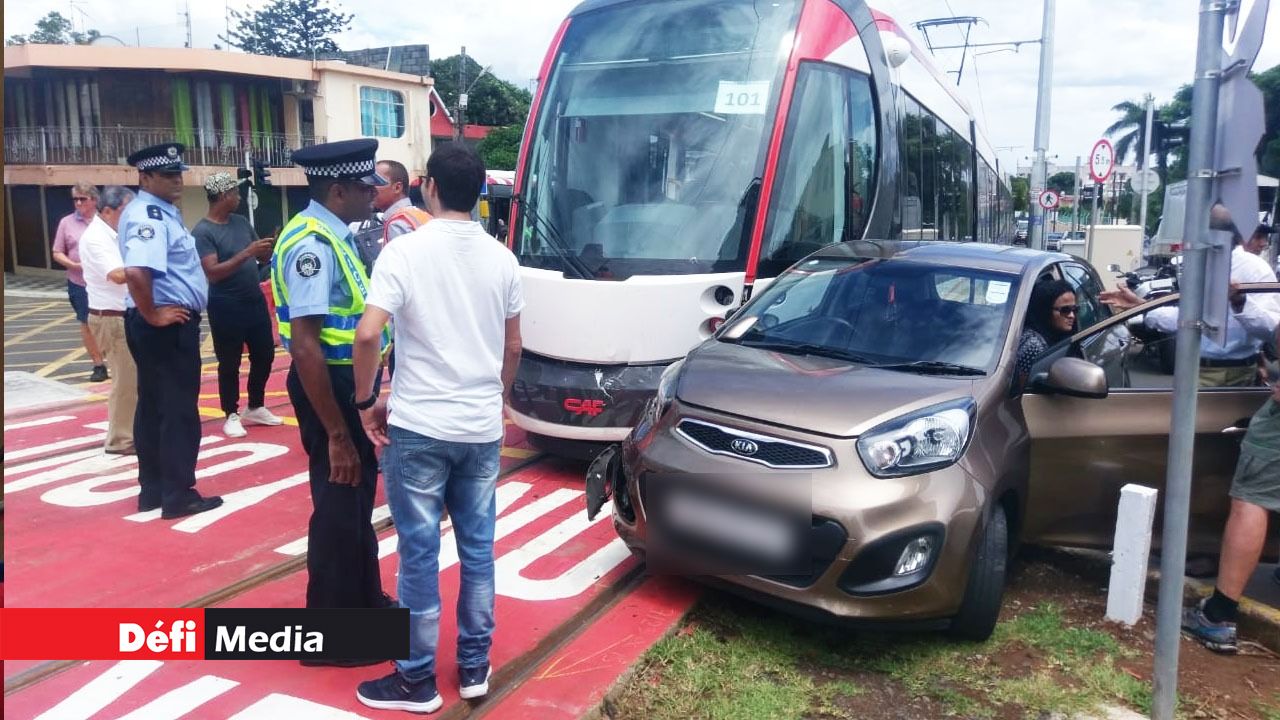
point(819, 394)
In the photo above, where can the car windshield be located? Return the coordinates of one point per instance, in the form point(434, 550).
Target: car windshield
point(897, 313)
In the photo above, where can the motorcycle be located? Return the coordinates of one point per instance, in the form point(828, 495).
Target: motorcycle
point(1151, 284)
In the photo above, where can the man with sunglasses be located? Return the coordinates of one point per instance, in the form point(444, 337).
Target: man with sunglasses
point(66, 252)
point(319, 285)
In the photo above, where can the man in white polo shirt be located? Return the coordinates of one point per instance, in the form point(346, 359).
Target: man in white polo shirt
point(455, 294)
point(105, 282)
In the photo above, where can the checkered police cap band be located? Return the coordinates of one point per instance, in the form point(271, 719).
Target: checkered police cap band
point(155, 162)
point(359, 168)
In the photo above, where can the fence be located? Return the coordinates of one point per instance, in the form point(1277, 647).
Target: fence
point(110, 146)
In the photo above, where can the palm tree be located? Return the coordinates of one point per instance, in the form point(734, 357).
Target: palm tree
point(1133, 125)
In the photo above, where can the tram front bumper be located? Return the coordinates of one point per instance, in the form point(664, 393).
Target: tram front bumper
point(580, 401)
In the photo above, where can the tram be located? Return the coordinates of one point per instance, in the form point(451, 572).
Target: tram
point(680, 153)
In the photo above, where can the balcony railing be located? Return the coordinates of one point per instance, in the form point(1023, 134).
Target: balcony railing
point(111, 146)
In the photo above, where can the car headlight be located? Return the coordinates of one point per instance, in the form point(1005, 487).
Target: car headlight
point(927, 439)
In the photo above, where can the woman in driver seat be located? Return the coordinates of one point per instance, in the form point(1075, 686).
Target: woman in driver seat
point(1051, 316)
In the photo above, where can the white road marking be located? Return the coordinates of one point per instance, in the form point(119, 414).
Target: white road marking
point(180, 701)
point(102, 690)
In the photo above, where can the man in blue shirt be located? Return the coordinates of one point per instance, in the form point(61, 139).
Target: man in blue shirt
point(167, 293)
point(319, 285)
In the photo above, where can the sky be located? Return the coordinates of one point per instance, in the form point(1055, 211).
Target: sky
point(1105, 51)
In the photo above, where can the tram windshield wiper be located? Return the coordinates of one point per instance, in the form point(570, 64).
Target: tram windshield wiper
point(555, 241)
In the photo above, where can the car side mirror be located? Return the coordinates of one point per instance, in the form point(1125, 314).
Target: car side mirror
point(1074, 377)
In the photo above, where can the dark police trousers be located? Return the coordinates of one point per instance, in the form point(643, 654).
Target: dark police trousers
point(166, 426)
point(342, 548)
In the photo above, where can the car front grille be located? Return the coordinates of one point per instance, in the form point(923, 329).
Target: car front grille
point(768, 451)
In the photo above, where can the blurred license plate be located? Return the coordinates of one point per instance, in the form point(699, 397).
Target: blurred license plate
point(732, 524)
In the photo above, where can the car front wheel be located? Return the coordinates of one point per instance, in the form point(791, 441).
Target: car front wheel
point(985, 591)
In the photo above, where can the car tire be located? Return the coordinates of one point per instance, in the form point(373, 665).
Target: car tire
point(984, 592)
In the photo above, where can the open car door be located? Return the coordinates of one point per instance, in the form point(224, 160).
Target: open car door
point(1083, 450)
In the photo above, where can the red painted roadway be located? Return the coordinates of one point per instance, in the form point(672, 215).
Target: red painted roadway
point(74, 539)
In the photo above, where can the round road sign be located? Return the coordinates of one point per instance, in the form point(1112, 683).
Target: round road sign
point(1048, 199)
point(253, 199)
point(1153, 180)
point(1101, 159)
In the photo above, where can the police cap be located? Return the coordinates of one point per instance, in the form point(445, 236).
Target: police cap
point(166, 157)
point(342, 160)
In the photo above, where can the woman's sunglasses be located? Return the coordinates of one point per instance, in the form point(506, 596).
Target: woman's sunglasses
point(1066, 309)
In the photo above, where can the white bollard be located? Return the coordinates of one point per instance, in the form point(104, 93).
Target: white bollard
point(1129, 555)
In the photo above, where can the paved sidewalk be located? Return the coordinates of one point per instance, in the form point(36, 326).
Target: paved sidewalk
point(34, 286)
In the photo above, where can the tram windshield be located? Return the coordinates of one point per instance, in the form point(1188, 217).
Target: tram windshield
point(650, 138)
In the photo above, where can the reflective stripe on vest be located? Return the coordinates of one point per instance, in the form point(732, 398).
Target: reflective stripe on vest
point(338, 333)
point(416, 217)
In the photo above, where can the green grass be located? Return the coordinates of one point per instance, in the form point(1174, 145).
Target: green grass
point(734, 660)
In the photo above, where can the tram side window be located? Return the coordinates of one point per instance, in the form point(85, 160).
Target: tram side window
point(929, 177)
point(962, 176)
point(948, 183)
point(911, 150)
point(808, 211)
point(862, 153)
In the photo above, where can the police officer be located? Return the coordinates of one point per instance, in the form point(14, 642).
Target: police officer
point(167, 293)
point(319, 285)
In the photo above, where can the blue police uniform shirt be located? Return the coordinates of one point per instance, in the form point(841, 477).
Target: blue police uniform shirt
point(153, 236)
point(310, 268)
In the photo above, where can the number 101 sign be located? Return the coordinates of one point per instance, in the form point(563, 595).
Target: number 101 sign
point(742, 98)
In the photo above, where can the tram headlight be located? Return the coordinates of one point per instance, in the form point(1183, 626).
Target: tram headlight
point(927, 439)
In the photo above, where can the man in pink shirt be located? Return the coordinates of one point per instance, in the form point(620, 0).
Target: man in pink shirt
point(66, 251)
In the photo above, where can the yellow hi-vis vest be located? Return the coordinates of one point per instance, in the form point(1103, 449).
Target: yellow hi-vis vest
point(338, 333)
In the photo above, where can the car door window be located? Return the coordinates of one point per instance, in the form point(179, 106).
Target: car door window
point(1087, 288)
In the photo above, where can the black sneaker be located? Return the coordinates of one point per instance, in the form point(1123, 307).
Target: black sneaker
point(473, 682)
point(99, 374)
point(395, 693)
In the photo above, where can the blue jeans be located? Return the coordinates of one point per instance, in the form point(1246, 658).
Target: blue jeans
point(423, 476)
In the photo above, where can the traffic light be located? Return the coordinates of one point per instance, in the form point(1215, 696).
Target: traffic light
point(261, 175)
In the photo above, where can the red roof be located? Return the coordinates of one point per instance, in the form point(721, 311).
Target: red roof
point(442, 122)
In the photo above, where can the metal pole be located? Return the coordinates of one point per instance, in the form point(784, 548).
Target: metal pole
point(1182, 429)
point(462, 88)
point(1146, 155)
point(248, 195)
point(1093, 220)
point(1075, 209)
point(1035, 234)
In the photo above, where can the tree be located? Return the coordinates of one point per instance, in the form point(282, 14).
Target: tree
point(490, 101)
point(500, 149)
point(288, 28)
point(1064, 183)
point(54, 29)
point(1021, 189)
point(1132, 129)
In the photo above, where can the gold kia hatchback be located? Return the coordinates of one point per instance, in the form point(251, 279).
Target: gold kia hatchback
point(853, 443)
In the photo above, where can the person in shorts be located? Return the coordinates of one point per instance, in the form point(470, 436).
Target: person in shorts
point(1255, 492)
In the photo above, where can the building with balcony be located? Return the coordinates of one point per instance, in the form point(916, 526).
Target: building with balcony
point(74, 113)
